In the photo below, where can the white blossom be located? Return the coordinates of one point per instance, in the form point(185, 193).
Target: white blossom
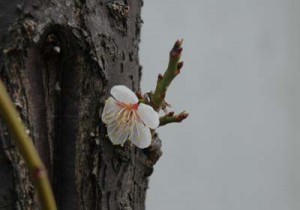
point(126, 118)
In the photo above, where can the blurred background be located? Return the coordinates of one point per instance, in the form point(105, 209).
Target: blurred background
point(240, 147)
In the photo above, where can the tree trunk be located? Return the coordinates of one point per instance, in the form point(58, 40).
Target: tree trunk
point(59, 59)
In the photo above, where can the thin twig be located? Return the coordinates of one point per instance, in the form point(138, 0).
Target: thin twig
point(27, 150)
point(171, 118)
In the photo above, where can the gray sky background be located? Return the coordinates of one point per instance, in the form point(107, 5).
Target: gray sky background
point(239, 150)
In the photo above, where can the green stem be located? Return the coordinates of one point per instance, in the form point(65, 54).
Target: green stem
point(27, 149)
point(171, 118)
point(164, 81)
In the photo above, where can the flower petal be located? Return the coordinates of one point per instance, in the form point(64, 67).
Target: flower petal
point(140, 136)
point(148, 116)
point(124, 94)
point(110, 111)
point(117, 134)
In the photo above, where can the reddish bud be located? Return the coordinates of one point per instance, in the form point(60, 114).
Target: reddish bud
point(160, 77)
point(179, 50)
point(178, 43)
point(139, 94)
point(180, 65)
point(182, 116)
point(176, 52)
point(170, 114)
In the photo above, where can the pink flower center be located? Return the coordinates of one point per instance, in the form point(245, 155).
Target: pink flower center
point(128, 107)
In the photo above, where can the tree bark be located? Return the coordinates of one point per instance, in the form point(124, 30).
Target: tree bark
point(59, 59)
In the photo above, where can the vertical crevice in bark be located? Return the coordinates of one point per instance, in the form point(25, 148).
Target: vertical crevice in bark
point(66, 119)
point(54, 79)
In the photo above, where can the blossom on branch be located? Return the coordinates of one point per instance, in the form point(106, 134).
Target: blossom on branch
point(126, 118)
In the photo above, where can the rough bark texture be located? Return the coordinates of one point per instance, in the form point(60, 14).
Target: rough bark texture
point(59, 59)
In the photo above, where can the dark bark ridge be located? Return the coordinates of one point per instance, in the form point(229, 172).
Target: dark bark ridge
point(59, 60)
